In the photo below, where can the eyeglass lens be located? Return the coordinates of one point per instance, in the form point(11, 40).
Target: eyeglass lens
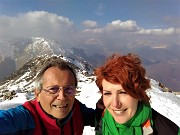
point(69, 90)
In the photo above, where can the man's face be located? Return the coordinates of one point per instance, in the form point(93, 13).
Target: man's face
point(58, 105)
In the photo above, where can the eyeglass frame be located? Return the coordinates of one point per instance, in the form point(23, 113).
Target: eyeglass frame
point(48, 92)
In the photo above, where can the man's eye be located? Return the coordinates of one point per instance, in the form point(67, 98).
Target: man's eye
point(67, 88)
point(70, 90)
point(54, 89)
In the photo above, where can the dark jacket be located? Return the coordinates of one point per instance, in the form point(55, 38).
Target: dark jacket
point(30, 118)
point(161, 124)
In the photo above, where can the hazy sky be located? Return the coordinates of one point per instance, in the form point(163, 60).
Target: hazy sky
point(92, 21)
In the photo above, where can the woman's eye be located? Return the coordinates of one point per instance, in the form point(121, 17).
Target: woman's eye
point(122, 92)
point(106, 93)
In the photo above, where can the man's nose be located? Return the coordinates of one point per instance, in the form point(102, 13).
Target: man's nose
point(61, 95)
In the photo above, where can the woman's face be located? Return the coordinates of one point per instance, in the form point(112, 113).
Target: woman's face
point(121, 105)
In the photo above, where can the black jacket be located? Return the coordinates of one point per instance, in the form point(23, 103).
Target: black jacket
point(162, 125)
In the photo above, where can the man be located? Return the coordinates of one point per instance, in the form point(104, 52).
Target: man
point(54, 109)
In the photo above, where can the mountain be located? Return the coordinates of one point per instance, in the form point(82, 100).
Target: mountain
point(23, 50)
point(7, 66)
point(162, 63)
point(18, 87)
point(33, 47)
point(160, 60)
point(94, 59)
point(23, 79)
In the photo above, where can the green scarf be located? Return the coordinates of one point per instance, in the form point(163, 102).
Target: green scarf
point(132, 127)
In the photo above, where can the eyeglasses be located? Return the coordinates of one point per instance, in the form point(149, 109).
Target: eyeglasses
point(54, 90)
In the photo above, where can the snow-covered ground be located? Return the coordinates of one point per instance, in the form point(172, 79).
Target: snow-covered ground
point(165, 103)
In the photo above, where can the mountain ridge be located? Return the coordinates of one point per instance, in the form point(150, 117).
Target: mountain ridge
point(28, 72)
point(153, 57)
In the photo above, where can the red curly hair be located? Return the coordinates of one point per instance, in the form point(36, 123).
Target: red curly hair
point(127, 71)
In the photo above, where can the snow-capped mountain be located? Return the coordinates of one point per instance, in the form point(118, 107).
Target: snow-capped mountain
point(26, 49)
point(22, 79)
point(154, 56)
point(36, 46)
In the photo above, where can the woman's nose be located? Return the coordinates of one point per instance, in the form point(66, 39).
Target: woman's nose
point(116, 102)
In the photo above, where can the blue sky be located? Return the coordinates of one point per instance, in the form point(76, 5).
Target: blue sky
point(75, 22)
point(147, 13)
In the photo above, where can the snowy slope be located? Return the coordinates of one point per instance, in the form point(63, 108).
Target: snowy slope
point(165, 103)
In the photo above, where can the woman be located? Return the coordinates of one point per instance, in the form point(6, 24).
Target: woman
point(123, 85)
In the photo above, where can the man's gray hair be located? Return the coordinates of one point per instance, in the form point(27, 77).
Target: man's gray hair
point(53, 61)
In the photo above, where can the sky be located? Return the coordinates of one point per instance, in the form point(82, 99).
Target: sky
point(148, 14)
point(73, 22)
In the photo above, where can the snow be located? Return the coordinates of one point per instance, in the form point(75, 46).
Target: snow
point(166, 103)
